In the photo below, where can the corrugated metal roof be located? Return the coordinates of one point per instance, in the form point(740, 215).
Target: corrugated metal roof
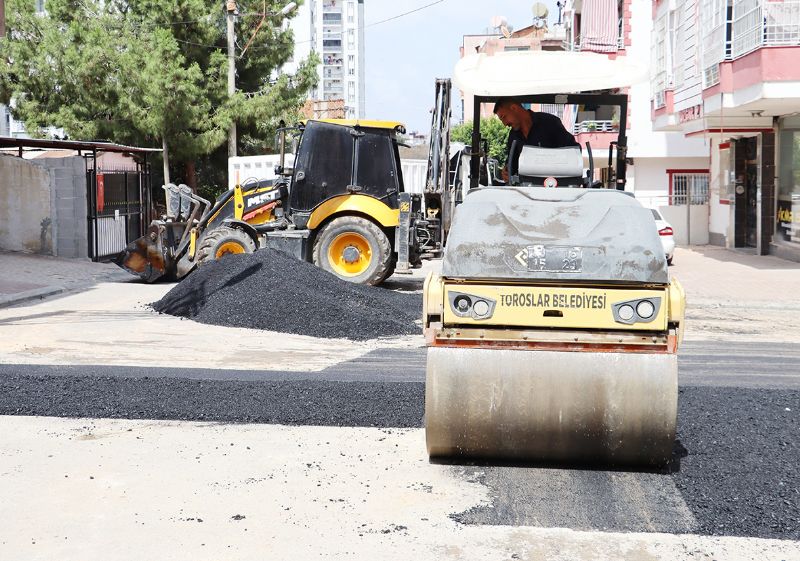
point(34, 143)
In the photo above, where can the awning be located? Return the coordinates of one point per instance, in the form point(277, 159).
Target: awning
point(599, 26)
point(544, 72)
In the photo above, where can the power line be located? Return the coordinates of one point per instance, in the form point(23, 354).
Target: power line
point(398, 16)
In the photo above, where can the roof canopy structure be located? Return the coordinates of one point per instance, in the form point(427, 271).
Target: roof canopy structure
point(41, 144)
point(519, 73)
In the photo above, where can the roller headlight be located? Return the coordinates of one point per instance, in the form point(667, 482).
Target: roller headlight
point(642, 310)
point(626, 312)
point(481, 308)
point(462, 304)
point(645, 309)
point(470, 305)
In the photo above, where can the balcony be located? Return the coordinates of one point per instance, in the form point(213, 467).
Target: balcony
point(331, 45)
point(595, 127)
point(764, 23)
point(599, 134)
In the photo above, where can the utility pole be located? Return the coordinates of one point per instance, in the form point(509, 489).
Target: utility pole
point(165, 154)
point(230, 6)
point(2, 18)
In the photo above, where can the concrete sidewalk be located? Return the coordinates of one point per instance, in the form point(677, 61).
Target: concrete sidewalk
point(25, 277)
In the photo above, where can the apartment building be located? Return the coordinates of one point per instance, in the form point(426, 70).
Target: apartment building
point(334, 29)
point(661, 163)
point(727, 71)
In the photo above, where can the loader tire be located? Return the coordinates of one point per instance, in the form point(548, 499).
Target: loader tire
point(354, 249)
point(222, 241)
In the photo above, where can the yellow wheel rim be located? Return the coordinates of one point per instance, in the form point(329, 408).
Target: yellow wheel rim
point(349, 254)
point(229, 248)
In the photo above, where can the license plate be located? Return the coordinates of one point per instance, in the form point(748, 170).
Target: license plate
point(555, 259)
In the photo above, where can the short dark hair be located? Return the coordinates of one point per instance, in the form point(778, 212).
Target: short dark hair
point(505, 102)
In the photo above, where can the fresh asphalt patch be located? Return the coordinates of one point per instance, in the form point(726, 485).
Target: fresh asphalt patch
point(740, 475)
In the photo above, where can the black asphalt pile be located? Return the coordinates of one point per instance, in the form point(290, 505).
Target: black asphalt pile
point(273, 291)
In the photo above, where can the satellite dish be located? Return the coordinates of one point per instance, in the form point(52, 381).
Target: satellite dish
point(498, 21)
point(539, 10)
point(505, 31)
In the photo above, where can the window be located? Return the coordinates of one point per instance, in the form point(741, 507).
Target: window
point(788, 218)
point(691, 185)
point(379, 175)
point(714, 36)
point(329, 146)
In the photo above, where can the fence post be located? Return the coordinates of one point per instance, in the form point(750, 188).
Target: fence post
point(689, 183)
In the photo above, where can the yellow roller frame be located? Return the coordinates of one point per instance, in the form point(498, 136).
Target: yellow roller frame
point(355, 204)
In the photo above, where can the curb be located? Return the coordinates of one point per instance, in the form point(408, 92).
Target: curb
point(37, 293)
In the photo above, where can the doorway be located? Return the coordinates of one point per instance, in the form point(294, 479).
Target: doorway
point(746, 190)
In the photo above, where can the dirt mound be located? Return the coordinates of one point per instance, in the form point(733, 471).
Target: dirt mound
point(274, 291)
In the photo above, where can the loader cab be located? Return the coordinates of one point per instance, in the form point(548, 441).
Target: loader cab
point(344, 157)
point(533, 166)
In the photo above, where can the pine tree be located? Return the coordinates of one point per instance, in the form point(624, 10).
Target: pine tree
point(142, 72)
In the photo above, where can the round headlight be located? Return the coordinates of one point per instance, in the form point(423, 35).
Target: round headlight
point(481, 308)
point(463, 304)
point(645, 309)
point(626, 312)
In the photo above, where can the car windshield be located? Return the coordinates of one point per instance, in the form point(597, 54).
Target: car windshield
point(656, 215)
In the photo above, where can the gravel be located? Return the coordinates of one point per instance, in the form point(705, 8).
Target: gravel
point(274, 291)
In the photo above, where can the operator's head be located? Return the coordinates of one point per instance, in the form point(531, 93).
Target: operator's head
point(511, 113)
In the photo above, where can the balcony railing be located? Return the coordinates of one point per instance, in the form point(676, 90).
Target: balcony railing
point(595, 126)
point(764, 23)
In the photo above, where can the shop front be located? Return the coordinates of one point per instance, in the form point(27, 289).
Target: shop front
point(786, 242)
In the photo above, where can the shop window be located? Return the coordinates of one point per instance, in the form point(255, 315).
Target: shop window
point(788, 217)
point(688, 185)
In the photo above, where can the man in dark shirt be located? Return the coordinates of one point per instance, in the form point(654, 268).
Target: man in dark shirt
point(533, 128)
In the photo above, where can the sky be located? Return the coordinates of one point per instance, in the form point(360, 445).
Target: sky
point(404, 56)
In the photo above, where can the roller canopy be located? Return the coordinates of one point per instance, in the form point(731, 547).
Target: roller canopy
point(544, 72)
point(530, 233)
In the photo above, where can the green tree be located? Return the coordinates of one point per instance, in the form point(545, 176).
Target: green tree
point(492, 129)
point(151, 73)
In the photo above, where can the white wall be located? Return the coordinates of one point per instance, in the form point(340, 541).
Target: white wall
point(25, 207)
point(650, 179)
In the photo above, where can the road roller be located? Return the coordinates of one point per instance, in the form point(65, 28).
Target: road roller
point(553, 326)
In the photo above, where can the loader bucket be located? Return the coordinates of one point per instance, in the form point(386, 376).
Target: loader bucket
point(144, 258)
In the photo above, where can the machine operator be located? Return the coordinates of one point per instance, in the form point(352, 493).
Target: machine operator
point(533, 128)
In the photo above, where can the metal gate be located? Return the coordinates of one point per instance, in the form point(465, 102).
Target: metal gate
point(118, 201)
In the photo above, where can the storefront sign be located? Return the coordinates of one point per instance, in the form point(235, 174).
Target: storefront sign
point(690, 114)
point(789, 220)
